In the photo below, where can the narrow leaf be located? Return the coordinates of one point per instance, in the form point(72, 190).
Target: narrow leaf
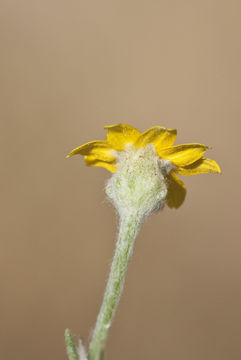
point(70, 346)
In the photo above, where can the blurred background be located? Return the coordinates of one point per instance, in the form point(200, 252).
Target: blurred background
point(67, 69)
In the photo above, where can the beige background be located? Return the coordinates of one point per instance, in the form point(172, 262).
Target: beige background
point(67, 69)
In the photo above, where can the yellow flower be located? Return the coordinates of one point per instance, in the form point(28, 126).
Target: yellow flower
point(186, 159)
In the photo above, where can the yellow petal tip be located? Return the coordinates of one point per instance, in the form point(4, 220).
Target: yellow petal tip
point(219, 171)
point(109, 127)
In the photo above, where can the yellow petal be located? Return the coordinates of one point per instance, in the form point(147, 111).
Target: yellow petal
point(159, 136)
point(91, 160)
point(176, 191)
point(121, 134)
point(99, 149)
point(199, 167)
point(183, 155)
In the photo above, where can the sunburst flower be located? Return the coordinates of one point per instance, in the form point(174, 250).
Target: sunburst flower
point(125, 144)
point(145, 167)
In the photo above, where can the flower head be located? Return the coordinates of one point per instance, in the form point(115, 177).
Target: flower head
point(145, 165)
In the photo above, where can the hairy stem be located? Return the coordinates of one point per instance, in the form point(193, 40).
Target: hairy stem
point(129, 225)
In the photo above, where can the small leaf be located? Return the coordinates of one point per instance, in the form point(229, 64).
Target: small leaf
point(70, 346)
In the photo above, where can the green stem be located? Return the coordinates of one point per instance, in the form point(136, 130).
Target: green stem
point(129, 225)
